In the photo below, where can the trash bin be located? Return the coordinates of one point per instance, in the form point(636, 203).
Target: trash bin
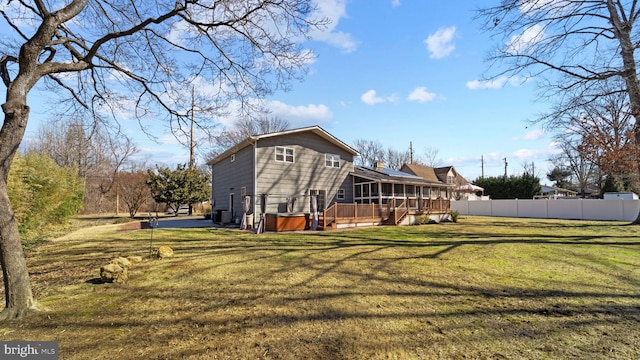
point(249, 218)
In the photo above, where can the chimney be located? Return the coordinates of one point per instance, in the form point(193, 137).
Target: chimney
point(379, 165)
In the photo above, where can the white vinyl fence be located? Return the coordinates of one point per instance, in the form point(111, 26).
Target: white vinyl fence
point(579, 209)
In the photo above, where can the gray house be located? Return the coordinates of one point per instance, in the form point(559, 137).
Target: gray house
point(288, 167)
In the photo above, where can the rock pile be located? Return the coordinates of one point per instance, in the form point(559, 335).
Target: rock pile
point(117, 271)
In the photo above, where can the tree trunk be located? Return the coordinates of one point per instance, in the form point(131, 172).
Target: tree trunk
point(17, 286)
point(622, 30)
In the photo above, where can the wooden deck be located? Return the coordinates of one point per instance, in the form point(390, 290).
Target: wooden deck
point(375, 214)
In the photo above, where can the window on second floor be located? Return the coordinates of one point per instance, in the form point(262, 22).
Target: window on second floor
point(284, 154)
point(332, 160)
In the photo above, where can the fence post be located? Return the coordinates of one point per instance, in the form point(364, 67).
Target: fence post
point(546, 208)
point(581, 209)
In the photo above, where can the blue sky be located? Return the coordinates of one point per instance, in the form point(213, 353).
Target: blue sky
point(401, 71)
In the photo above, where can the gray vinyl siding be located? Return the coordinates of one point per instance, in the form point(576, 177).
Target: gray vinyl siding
point(229, 177)
point(282, 180)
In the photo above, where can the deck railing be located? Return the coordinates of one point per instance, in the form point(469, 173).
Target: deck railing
point(397, 208)
point(400, 211)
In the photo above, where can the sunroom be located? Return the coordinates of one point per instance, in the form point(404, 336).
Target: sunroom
point(388, 186)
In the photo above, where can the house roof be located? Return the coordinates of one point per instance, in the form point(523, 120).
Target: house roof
point(426, 172)
point(391, 176)
point(438, 174)
point(314, 129)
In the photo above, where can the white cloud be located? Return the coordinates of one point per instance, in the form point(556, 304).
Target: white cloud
point(534, 134)
point(440, 44)
point(301, 115)
point(296, 115)
point(333, 10)
point(395, 3)
point(420, 94)
point(531, 135)
point(526, 41)
point(371, 98)
point(551, 7)
point(494, 83)
point(528, 154)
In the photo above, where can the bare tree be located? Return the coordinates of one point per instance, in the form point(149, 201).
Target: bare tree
point(395, 159)
point(569, 45)
point(144, 58)
point(581, 168)
point(134, 191)
point(95, 150)
point(370, 152)
point(529, 168)
point(606, 130)
point(430, 157)
point(601, 131)
point(66, 142)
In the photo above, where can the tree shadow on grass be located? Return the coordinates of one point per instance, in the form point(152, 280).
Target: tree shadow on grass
point(341, 295)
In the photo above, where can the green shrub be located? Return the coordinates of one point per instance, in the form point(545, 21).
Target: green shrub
point(422, 219)
point(206, 211)
point(43, 195)
point(454, 216)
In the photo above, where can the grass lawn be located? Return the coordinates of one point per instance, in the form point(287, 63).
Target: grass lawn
point(482, 288)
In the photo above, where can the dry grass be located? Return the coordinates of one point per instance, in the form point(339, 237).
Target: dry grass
point(482, 288)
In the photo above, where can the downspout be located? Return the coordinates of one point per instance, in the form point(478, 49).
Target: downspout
point(255, 185)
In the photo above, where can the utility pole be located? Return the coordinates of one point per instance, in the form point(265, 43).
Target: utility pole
point(482, 165)
point(505, 168)
point(410, 152)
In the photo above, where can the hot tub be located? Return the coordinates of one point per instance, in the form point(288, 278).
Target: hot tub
point(286, 221)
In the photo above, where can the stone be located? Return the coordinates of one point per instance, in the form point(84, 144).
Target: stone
point(164, 252)
point(122, 262)
point(114, 273)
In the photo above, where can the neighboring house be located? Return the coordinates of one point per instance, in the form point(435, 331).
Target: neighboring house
point(283, 171)
point(445, 175)
point(552, 192)
point(459, 186)
point(288, 166)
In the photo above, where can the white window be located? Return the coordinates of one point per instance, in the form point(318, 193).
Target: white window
point(341, 194)
point(284, 154)
point(332, 160)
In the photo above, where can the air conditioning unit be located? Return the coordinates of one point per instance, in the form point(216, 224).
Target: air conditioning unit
point(226, 217)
